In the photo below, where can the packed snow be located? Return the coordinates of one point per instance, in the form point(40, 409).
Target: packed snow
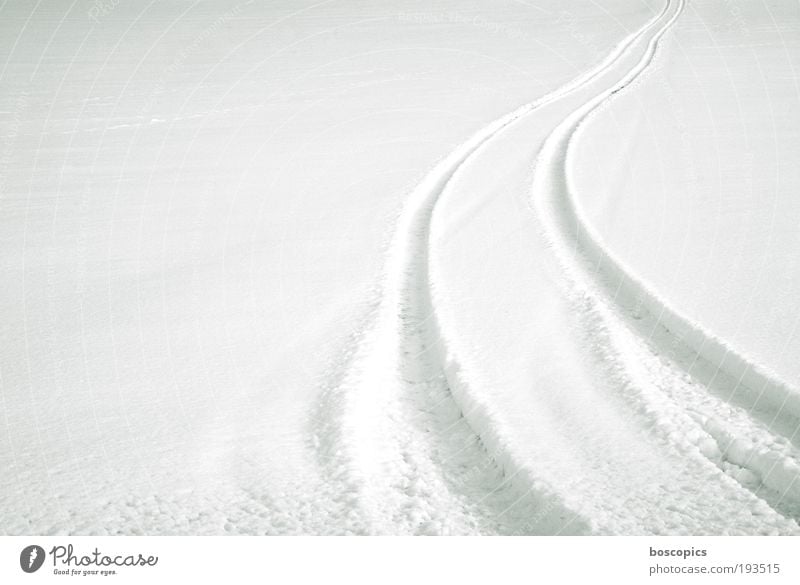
point(400, 267)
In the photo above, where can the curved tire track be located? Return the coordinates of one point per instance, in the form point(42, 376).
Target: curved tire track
point(397, 392)
point(771, 465)
point(410, 444)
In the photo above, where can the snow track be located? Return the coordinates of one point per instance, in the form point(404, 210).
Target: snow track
point(418, 431)
point(741, 388)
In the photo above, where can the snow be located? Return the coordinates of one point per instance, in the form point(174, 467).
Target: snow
point(399, 268)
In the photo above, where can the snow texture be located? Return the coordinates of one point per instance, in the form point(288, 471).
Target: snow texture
point(399, 268)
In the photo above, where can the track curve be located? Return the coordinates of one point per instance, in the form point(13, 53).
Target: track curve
point(406, 431)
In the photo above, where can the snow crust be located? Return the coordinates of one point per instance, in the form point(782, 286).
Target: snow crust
point(392, 268)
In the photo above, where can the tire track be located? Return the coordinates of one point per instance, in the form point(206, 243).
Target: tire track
point(735, 425)
point(399, 432)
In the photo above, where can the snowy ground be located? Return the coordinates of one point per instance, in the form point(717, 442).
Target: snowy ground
point(399, 267)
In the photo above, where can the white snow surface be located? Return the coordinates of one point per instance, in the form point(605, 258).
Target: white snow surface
point(399, 267)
